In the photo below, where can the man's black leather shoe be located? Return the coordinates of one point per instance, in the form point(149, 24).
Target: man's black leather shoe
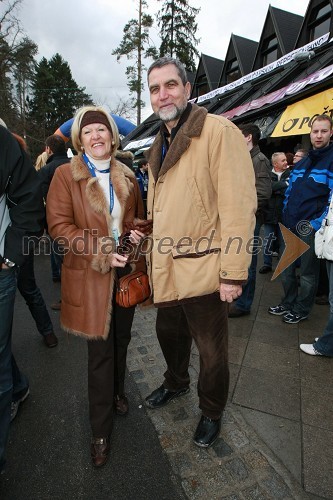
point(207, 432)
point(234, 312)
point(99, 450)
point(265, 269)
point(162, 396)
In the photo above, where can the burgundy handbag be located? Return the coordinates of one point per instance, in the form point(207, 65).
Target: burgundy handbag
point(132, 289)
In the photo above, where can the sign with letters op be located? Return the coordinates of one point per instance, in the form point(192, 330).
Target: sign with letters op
point(298, 117)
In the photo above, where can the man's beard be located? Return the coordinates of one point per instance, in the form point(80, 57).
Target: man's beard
point(171, 114)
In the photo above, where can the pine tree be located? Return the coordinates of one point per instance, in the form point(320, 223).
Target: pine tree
point(55, 96)
point(8, 112)
point(177, 23)
point(23, 69)
point(136, 45)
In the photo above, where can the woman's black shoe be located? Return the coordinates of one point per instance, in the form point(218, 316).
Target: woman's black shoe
point(207, 432)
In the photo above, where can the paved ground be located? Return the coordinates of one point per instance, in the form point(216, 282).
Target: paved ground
point(276, 439)
point(48, 453)
point(277, 435)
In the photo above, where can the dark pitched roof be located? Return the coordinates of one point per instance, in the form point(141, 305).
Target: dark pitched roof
point(304, 33)
point(210, 67)
point(294, 71)
point(287, 26)
point(190, 76)
point(246, 50)
point(213, 68)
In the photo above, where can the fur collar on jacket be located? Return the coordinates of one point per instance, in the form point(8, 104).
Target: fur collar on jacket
point(121, 178)
point(191, 128)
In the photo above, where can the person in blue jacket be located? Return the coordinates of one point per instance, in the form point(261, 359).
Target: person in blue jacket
point(305, 206)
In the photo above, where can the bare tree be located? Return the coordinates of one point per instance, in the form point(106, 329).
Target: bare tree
point(9, 23)
point(123, 107)
point(16, 65)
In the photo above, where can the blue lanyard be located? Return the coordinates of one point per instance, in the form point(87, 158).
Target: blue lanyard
point(93, 169)
point(164, 152)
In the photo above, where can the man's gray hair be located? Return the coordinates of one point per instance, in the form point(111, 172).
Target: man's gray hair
point(275, 155)
point(164, 61)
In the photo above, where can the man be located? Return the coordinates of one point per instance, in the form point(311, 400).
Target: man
point(142, 178)
point(201, 197)
point(273, 213)
point(27, 286)
point(305, 206)
point(55, 148)
point(261, 166)
point(299, 155)
point(21, 214)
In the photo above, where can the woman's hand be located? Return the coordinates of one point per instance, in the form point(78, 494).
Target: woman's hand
point(117, 260)
point(136, 236)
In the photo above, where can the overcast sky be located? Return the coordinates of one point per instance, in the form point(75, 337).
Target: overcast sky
point(85, 32)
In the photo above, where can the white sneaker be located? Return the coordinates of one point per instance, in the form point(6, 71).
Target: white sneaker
point(309, 349)
point(15, 405)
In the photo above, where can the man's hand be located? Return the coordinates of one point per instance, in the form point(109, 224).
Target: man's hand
point(228, 293)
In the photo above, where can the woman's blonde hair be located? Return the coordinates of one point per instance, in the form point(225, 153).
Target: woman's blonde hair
point(41, 160)
point(76, 128)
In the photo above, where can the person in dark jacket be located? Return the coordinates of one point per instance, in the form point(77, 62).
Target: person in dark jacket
point(273, 212)
point(21, 215)
point(299, 155)
point(305, 206)
point(55, 148)
point(261, 165)
point(141, 175)
point(27, 286)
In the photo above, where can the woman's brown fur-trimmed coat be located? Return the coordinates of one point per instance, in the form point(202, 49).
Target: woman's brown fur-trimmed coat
point(78, 217)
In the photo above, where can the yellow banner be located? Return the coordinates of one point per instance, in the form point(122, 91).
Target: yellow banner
point(297, 118)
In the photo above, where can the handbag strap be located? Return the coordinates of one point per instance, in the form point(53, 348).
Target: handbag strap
point(328, 220)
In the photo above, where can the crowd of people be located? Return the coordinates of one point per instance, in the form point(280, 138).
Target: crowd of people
point(300, 196)
point(204, 179)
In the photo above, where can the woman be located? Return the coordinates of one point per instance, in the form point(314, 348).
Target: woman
point(91, 202)
point(41, 161)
